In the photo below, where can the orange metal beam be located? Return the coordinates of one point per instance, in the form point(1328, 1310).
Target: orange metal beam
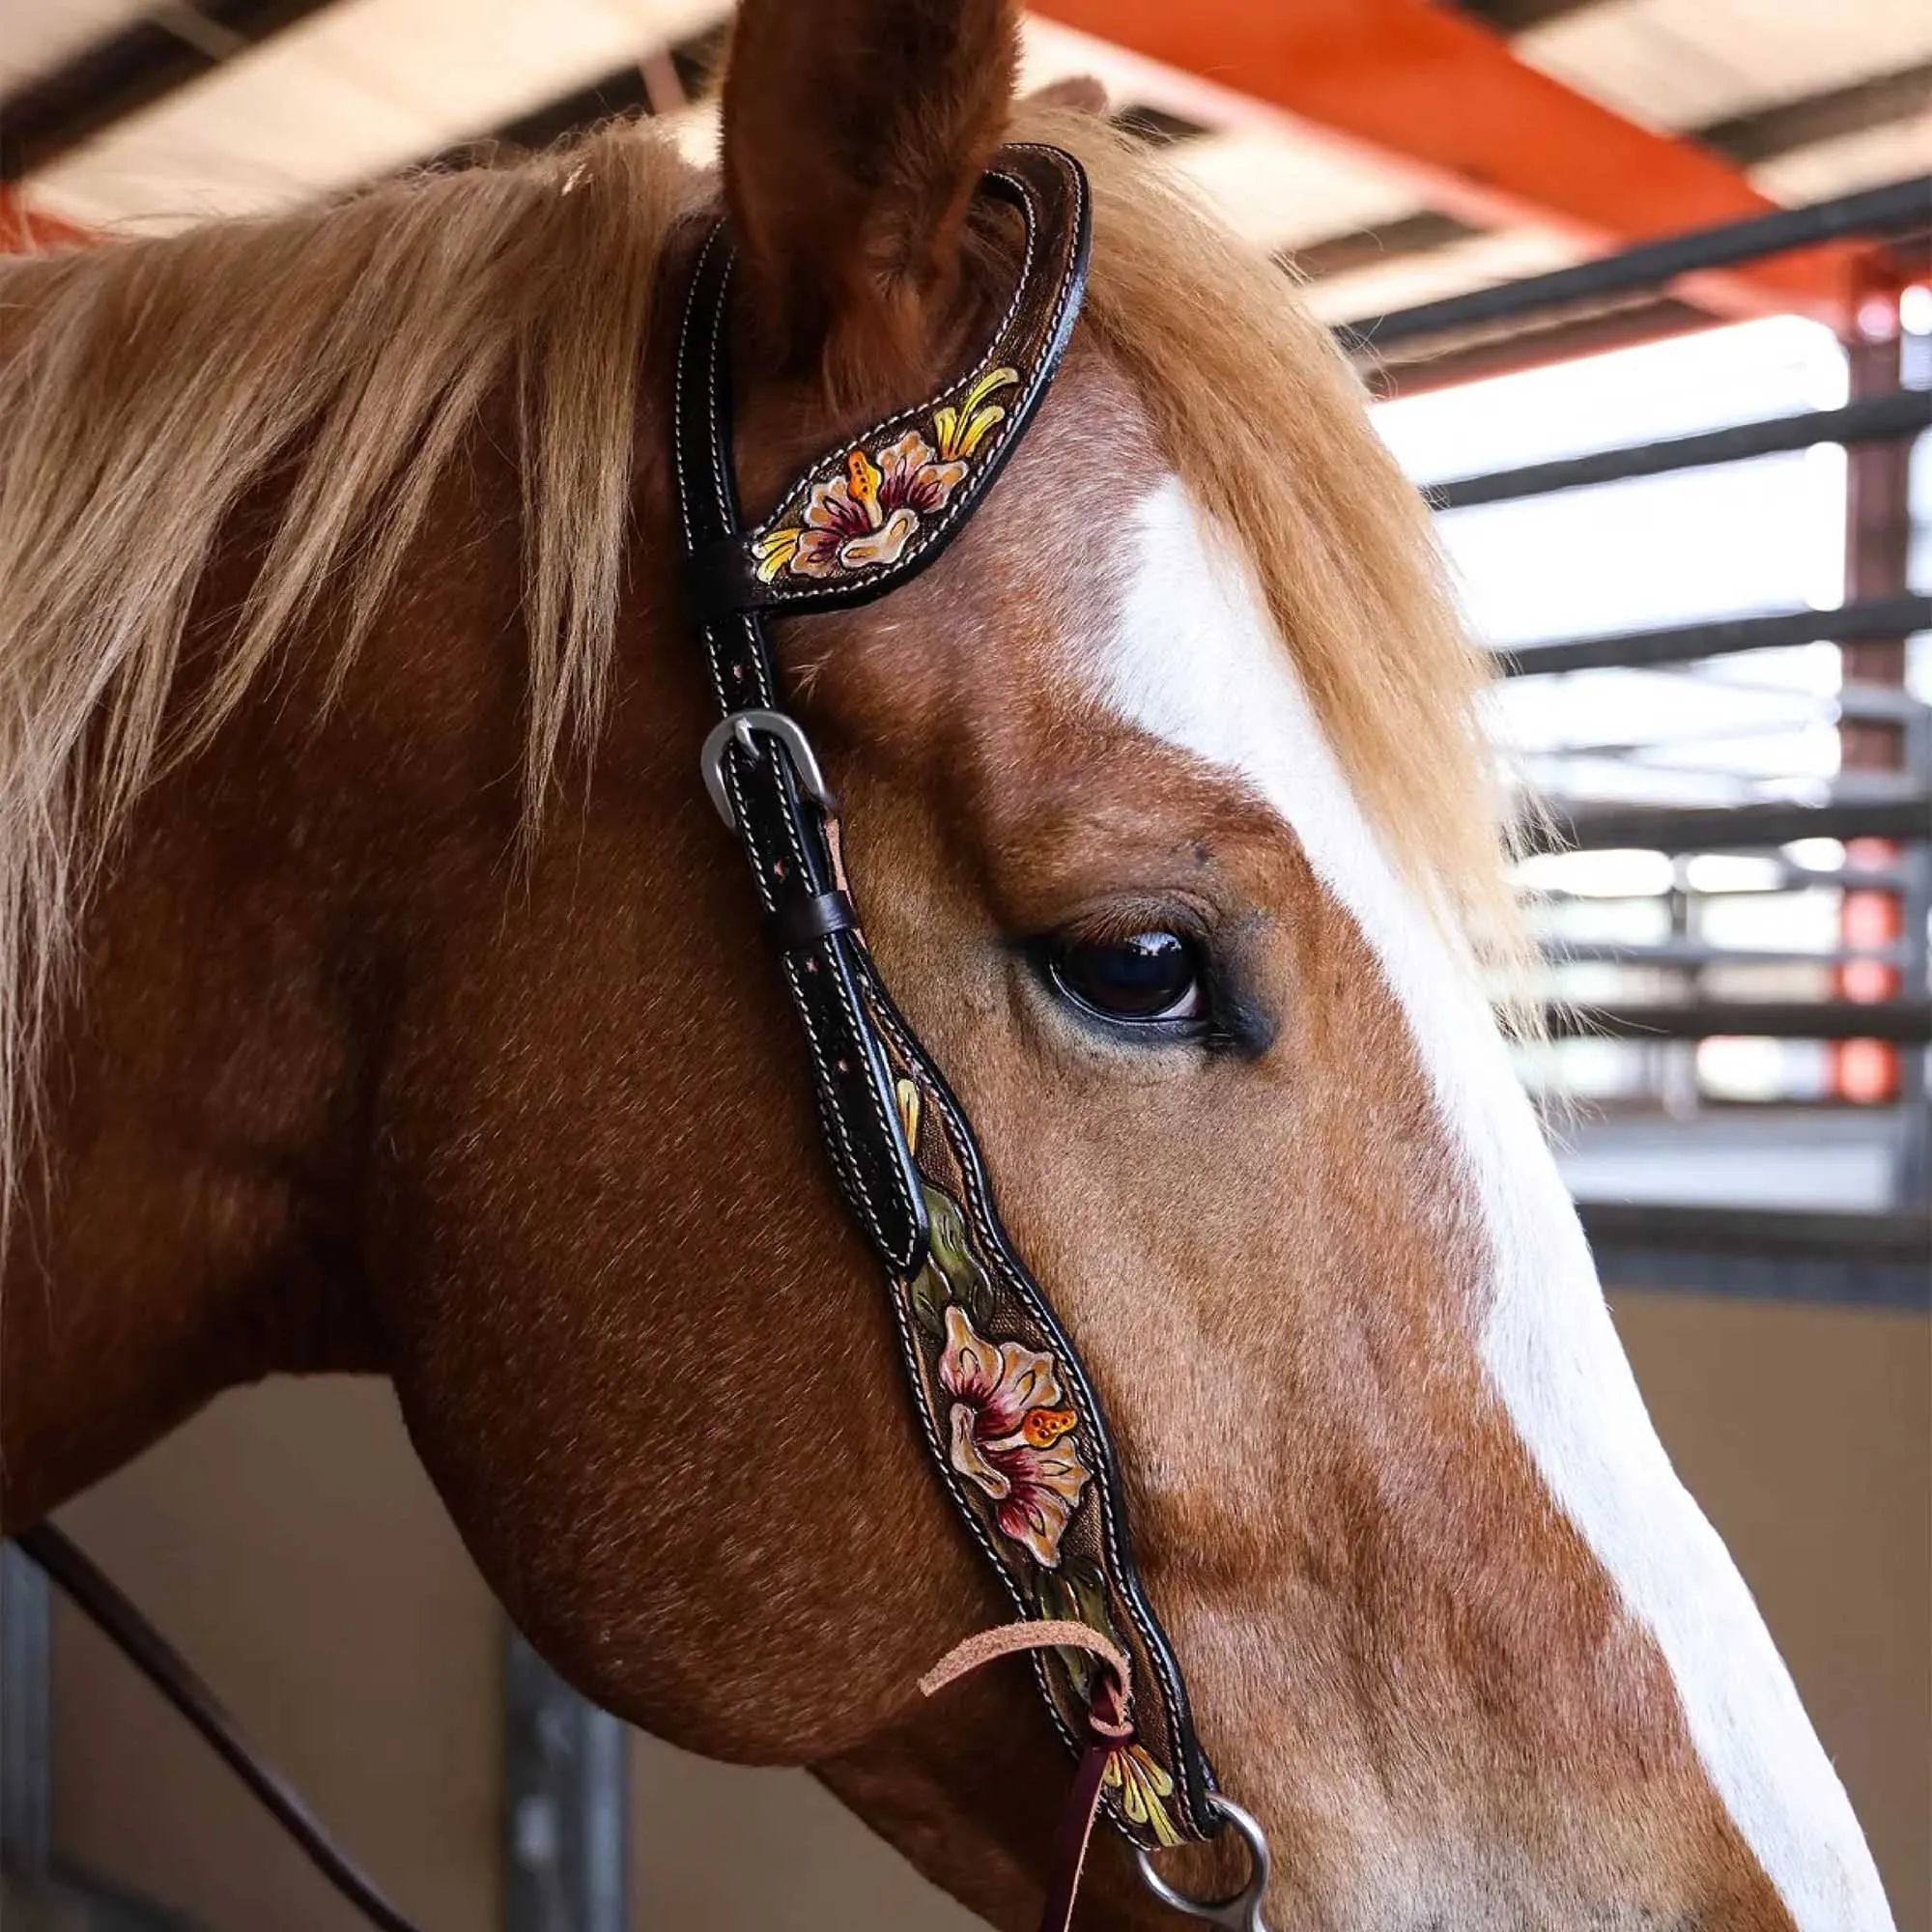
point(1488, 137)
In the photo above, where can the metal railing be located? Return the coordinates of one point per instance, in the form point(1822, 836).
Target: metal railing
point(1899, 209)
point(1662, 995)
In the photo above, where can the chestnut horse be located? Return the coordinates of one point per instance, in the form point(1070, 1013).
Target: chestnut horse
point(379, 993)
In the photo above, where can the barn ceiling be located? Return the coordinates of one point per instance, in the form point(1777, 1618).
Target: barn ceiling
point(121, 115)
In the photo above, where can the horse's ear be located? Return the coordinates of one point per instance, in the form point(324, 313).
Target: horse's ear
point(855, 135)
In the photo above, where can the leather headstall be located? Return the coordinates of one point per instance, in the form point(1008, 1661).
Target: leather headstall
point(1004, 1404)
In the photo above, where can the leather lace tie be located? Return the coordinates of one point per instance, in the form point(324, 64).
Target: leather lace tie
point(1108, 1729)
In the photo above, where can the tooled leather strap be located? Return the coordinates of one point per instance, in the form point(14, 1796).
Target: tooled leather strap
point(1003, 1400)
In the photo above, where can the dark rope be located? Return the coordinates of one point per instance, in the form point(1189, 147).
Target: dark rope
point(117, 1619)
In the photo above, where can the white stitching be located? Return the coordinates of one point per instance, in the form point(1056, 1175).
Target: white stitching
point(714, 362)
point(1008, 1567)
point(831, 1113)
point(858, 1022)
point(714, 653)
point(1019, 1286)
point(683, 345)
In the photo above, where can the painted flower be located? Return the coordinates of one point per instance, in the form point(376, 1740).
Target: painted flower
point(1012, 1436)
point(868, 515)
point(960, 428)
point(912, 476)
point(1141, 1785)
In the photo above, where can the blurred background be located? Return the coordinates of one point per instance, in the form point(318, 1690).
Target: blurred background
point(1643, 290)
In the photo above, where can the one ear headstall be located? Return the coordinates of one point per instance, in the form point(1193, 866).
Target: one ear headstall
point(1004, 1405)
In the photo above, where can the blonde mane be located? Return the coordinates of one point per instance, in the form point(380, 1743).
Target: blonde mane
point(147, 389)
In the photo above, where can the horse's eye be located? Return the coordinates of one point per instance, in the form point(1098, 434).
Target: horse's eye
point(1154, 975)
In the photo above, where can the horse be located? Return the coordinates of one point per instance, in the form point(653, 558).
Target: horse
point(380, 994)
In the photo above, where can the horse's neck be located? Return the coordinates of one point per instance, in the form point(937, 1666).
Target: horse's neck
point(189, 1208)
point(179, 1225)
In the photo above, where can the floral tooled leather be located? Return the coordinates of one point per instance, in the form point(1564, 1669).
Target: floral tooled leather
point(1007, 1435)
point(1005, 1411)
point(864, 511)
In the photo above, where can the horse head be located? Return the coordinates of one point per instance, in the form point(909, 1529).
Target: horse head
point(1165, 809)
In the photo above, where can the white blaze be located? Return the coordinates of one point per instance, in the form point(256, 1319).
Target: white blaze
point(1194, 662)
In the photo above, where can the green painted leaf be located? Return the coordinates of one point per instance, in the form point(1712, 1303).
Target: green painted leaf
point(953, 1257)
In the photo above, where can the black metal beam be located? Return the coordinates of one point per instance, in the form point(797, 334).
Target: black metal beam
point(1908, 1022)
point(1401, 239)
point(1747, 139)
point(1901, 1235)
point(621, 91)
point(129, 70)
point(1732, 828)
point(1512, 16)
point(1590, 332)
point(1158, 127)
point(1721, 636)
point(1903, 413)
point(1902, 207)
point(1768, 132)
point(26, 1717)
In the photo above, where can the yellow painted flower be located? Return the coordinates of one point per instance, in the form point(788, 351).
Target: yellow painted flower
point(774, 551)
point(1141, 1784)
point(869, 513)
point(961, 428)
point(906, 1093)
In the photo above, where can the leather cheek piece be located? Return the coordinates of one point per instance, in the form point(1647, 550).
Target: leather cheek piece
point(1007, 1409)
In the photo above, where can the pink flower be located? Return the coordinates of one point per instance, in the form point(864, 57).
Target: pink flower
point(867, 516)
point(846, 523)
point(1011, 1436)
point(912, 476)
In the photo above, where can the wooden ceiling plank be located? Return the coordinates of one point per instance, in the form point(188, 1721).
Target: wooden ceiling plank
point(115, 77)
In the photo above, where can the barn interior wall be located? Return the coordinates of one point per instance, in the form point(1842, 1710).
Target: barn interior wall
point(290, 1543)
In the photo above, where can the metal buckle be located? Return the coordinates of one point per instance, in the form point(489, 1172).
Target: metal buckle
point(1241, 1911)
point(743, 728)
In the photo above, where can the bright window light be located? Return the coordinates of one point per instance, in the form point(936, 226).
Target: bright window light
point(1740, 1069)
point(1597, 875)
point(1732, 872)
point(1817, 855)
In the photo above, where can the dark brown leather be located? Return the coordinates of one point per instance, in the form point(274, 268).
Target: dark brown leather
point(727, 569)
point(1108, 1732)
point(798, 923)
